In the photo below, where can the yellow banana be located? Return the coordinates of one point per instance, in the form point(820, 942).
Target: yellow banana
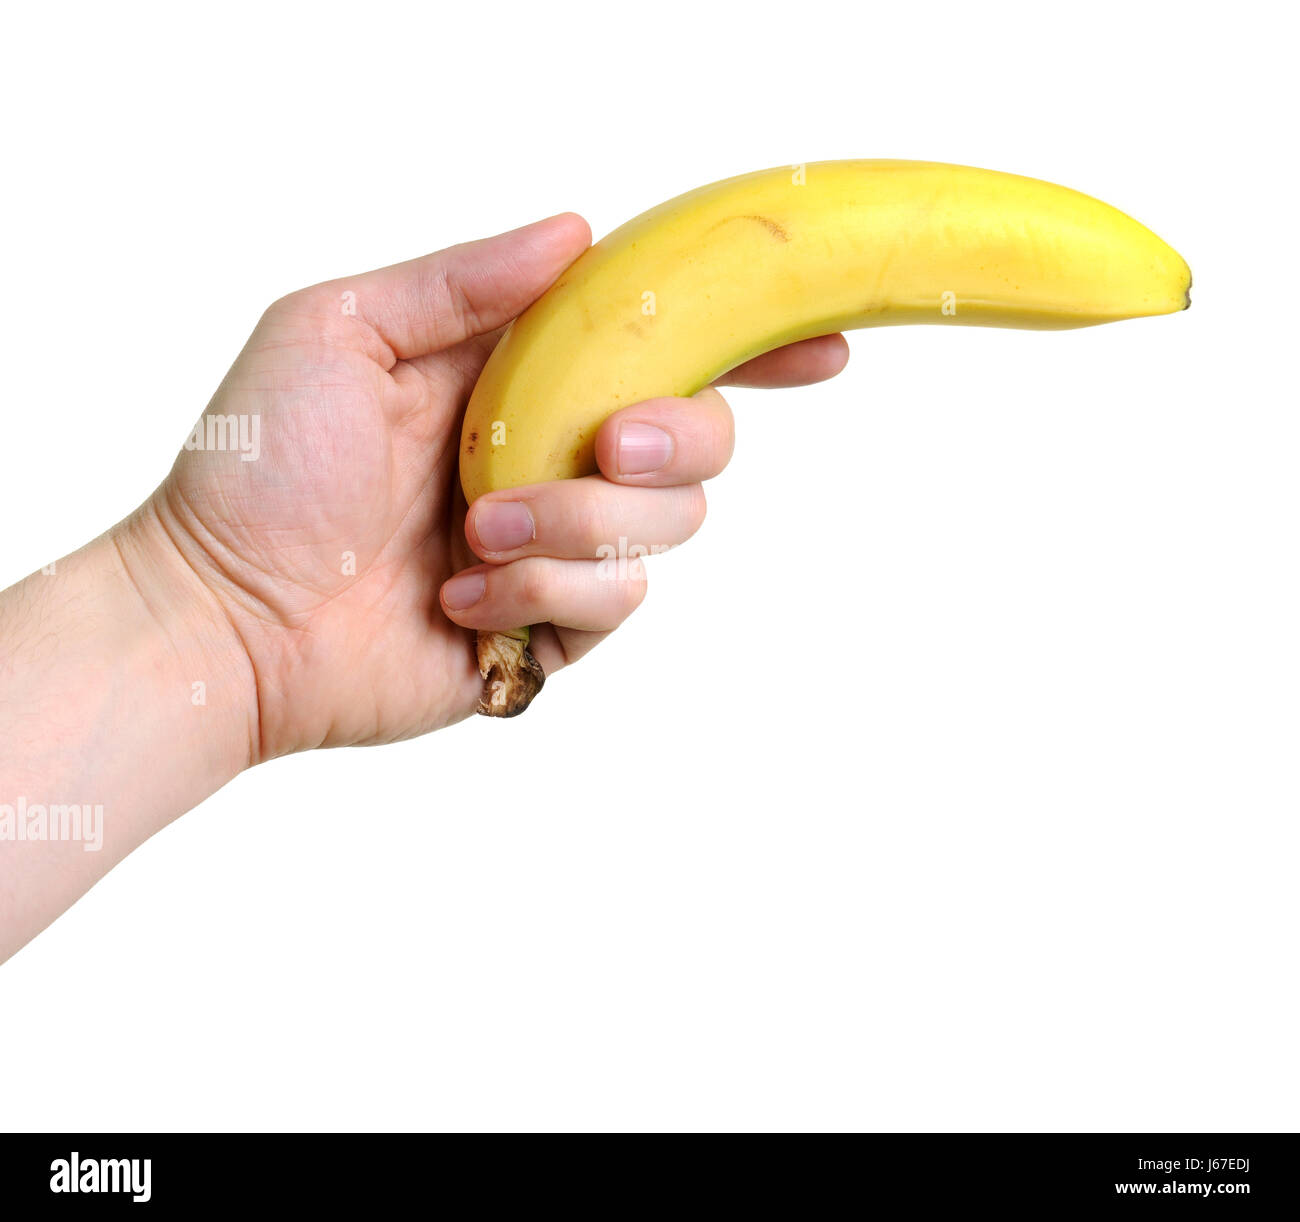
point(700, 284)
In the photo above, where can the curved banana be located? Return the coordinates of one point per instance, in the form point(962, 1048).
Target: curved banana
point(700, 284)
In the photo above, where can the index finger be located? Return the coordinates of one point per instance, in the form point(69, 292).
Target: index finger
point(800, 364)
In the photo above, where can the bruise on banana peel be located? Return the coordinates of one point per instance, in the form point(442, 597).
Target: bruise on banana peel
point(511, 675)
point(703, 283)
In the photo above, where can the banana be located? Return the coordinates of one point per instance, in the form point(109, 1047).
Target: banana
point(681, 294)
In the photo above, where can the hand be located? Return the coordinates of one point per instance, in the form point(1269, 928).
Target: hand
point(333, 547)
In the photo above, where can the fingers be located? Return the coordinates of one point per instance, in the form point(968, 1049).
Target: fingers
point(801, 364)
point(664, 442)
point(589, 595)
point(433, 302)
point(565, 556)
point(556, 648)
point(578, 519)
point(652, 455)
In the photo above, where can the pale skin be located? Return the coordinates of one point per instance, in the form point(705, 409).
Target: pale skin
point(236, 574)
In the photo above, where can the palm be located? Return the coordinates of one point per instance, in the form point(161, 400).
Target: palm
point(342, 530)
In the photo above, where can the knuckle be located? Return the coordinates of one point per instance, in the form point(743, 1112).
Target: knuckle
point(694, 509)
point(309, 315)
point(534, 584)
point(592, 514)
point(603, 531)
point(301, 303)
point(723, 440)
point(728, 447)
point(633, 588)
point(449, 301)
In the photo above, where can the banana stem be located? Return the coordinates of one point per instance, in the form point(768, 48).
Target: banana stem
point(511, 675)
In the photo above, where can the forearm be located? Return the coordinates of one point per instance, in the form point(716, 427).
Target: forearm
point(125, 699)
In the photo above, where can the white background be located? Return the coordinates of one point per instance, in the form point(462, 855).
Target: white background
point(1028, 862)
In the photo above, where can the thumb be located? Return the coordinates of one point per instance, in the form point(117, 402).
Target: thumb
point(431, 303)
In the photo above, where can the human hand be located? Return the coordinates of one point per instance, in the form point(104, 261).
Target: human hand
point(340, 552)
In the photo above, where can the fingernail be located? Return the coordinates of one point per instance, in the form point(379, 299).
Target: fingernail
point(464, 591)
point(502, 525)
point(642, 448)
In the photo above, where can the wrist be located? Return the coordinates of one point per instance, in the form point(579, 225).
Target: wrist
point(196, 656)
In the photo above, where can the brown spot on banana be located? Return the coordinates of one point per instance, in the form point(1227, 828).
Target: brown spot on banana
point(766, 221)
